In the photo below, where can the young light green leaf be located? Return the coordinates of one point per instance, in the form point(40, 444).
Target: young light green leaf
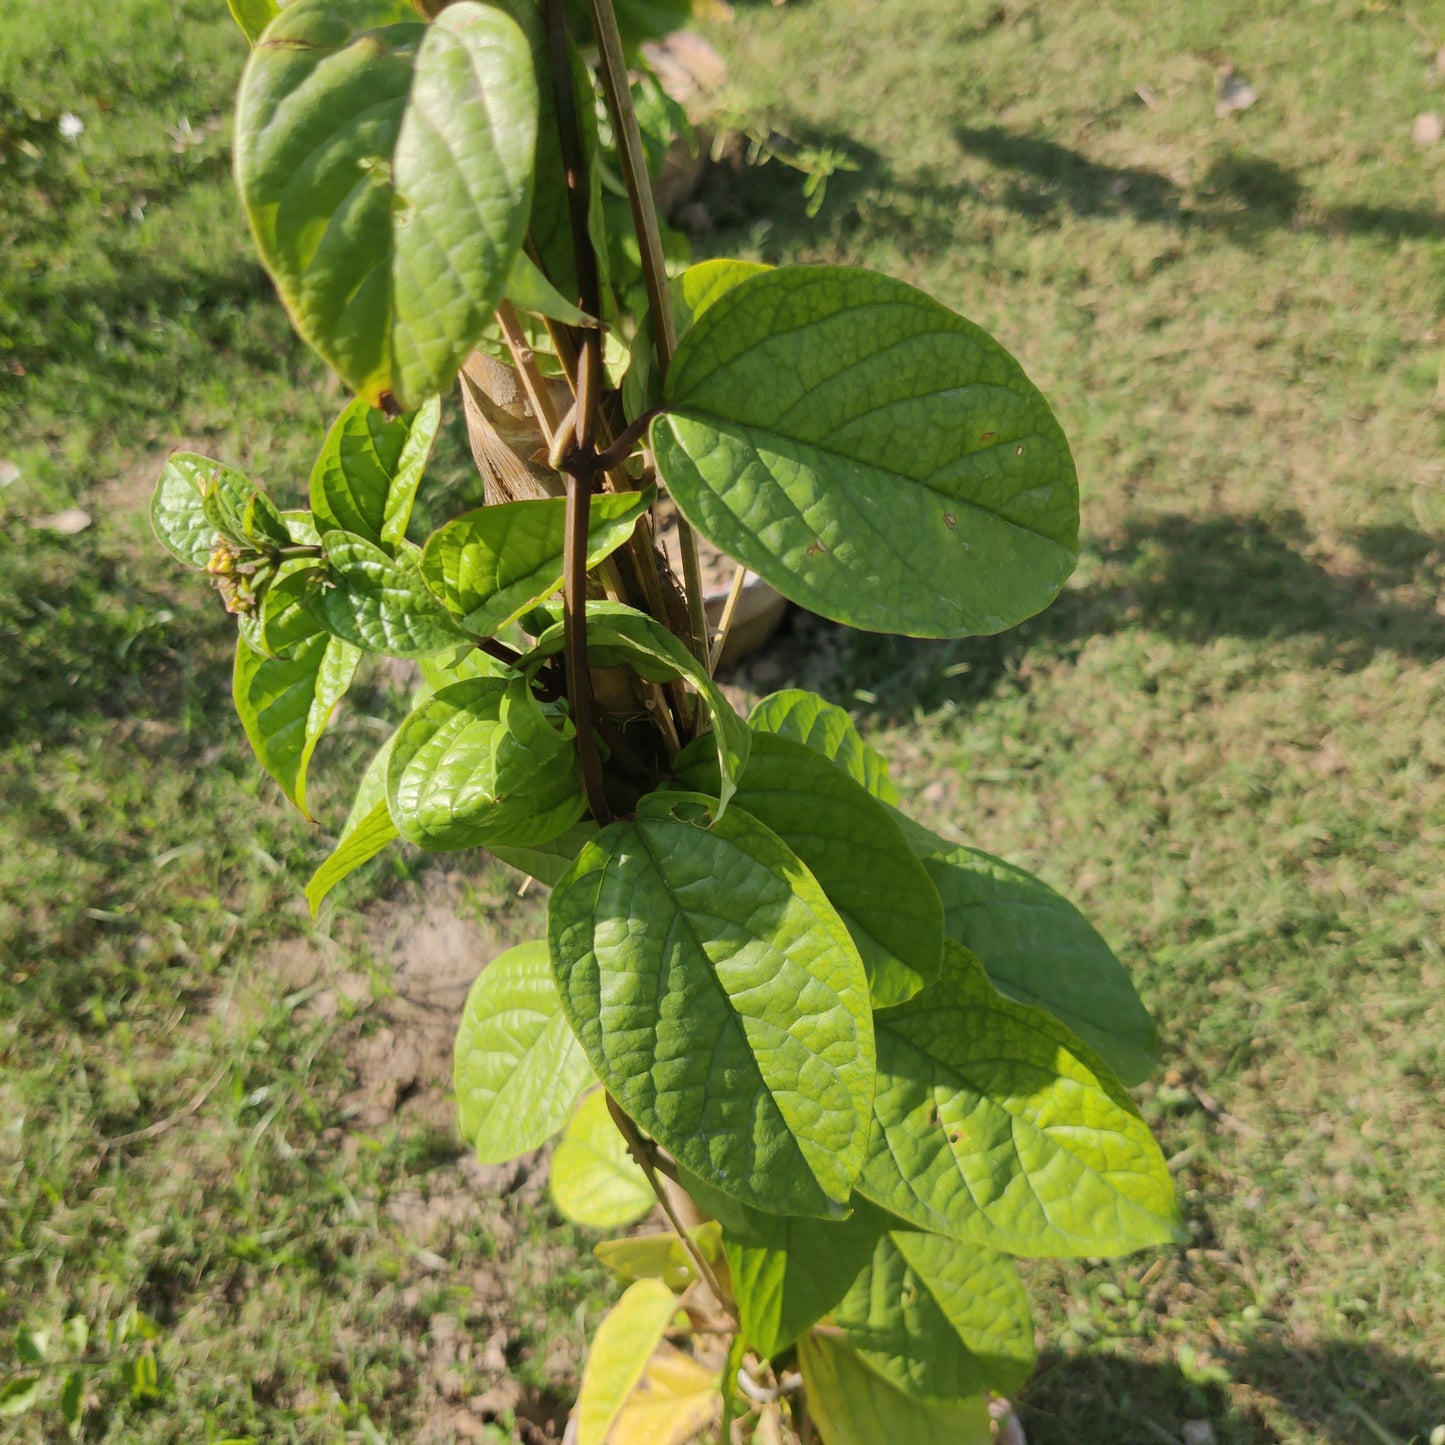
point(178, 511)
point(490, 565)
point(439, 670)
point(854, 1405)
point(660, 1256)
point(721, 1001)
point(939, 1320)
point(620, 636)
point(76, 1334)
point(826, 423)
point(19, 1394)
point(827, 729)
point(1039, 949)
point(380, 603)
point(547, 862)
point(852, 846)
point(479, 763)
point(529, 290)
point(518, 1070)
point(253, 16)
point(284, 703)
point(31, 1345)
point(386, 167)
point(625, 1340)
point(787, 1273)
point(993, 1123)
point(367, 830)
point(365, 479)
point(595, 1181)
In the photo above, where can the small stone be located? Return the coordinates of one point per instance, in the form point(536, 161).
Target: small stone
point(1232, 92)
point(1198, 1432)
point(1429, 128)
point(9, 474)
point(1437, 1435)
point(67, 523)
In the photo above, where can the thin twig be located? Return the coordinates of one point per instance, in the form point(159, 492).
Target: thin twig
point(574, 630)
point(151, 1131)
point(645, 1154)
point(533, 382)
point(725, 622)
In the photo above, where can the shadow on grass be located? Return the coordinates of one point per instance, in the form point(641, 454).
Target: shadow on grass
point(1337, 1393)
point(1198, 579)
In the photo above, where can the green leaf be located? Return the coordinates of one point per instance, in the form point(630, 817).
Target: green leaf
point(178, 511)
point(787, 1273)
point(481, 762)
point(828, 424)
point(367, 830)
point(547, 862)
point(827, 729)
point(365, 480)
point(1039, 949)
point(620, 636)
point(386, 167)
point(19, 1394)
point(31, 1345)
point(852, 846)
point(853, 1405)
point(518, 1069)
point(595, 1181)
point(262, 524)
point(253, 16)
point(284, 703)
point(76, 1334)
point(142, 1378)
point(660, 1256)
point(939, 1320)
point(492, 564)
point(380, 603)
point(721, 1001)
point(529, 290)
point(625, 1340)
point(441, 670)
point(993, 1123)
point(72, 1402)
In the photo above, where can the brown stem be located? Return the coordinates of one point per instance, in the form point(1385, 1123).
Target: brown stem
point(645, 1152)
point(574, 644)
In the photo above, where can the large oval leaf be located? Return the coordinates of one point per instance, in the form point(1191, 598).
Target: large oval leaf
point(852, 846)
point(938, 1319)
point(625, 1340)
point(595, 1181)
point(854, 1405)
point(993, 1123)
point(721, 1000)
point(491, 564)
point(1039, 949)
point(518, 1069)
point(827, 729)
point(386, 167)
point(365, 479)
point(480, 762)
point(827, 424)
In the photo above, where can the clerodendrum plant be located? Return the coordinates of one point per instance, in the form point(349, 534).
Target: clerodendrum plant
point(857, 1065)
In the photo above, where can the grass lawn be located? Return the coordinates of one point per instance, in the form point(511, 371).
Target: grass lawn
point(1226, 740)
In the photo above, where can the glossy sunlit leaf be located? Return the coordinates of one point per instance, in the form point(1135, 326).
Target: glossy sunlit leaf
point(377, 602)
point(262, 524)
point(365, 479)
point(386, 167)
point(787, 1273)
point(253, 16)
point(660, 1256)
point(853, 847)
point(1039, 949)
point(595, 1181)
point(490, 565)
point(721, 1000)
point(939, 1319)
point(852, 1404)
point(367, 830)
point(285, 702)
point(620, 636)
point(994, 1123)
point(625, 1341)
point(178, 511)
point(481, 762)
point(827, 424)
point(827, 729)
point(547, 862)
point(518, 1070)
point(673, 1402)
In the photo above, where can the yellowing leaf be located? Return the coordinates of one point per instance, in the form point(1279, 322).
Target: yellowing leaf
point(594, 1179)
point(675, 1400)
point(625, 1340)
